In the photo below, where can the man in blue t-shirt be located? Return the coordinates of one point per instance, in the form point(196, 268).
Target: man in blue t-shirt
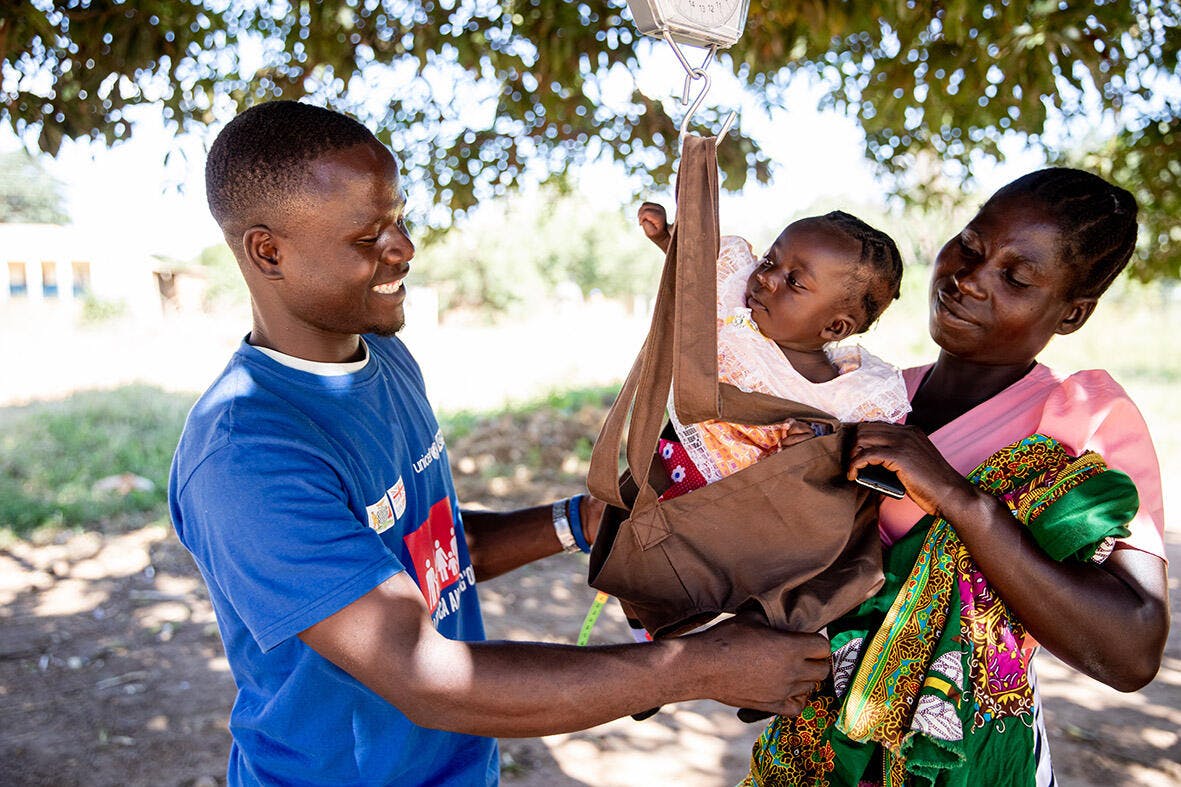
point(312, 487)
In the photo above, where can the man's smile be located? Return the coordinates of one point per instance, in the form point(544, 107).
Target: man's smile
point(389, 287)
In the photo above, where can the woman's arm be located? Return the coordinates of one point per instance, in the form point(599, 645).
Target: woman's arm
point(1109, 621)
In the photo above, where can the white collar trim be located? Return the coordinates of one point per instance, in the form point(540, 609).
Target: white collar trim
point(317, 367)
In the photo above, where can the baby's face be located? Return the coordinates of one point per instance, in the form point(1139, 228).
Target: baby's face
point(800, 294)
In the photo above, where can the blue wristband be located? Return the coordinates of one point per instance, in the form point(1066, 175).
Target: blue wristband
point(574, 512)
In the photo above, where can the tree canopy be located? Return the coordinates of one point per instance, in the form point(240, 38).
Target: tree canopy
point(476, 95)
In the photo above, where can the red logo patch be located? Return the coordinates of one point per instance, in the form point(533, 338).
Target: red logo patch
point(434, 548)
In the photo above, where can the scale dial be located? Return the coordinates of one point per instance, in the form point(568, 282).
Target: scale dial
point(706, 12)
point(695, 22)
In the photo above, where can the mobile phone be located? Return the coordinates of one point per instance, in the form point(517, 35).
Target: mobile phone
point(879, 479)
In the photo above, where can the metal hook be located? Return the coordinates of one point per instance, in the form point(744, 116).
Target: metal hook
point(726, 124)
point(692, 74)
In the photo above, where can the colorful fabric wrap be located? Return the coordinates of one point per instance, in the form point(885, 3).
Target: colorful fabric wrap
point(930, 676)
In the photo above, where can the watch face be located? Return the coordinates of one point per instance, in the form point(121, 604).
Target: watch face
point(706, 12)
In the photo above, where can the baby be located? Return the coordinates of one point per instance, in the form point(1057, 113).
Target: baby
point(780, 317)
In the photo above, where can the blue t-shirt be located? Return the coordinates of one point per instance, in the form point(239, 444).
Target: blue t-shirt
point(297, 493)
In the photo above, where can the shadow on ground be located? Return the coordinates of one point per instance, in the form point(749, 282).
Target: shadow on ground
point(1099, 737)
point(112, 672)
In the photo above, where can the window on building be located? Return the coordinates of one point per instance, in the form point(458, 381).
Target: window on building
point(81, 277)
point(49, 279)
point(18, 280)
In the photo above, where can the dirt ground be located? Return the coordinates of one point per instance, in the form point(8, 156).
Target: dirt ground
point(112, 673)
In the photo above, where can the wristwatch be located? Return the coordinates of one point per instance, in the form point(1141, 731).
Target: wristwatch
point(562, 527)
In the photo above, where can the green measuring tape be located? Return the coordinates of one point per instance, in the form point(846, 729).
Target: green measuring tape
point(592, 615)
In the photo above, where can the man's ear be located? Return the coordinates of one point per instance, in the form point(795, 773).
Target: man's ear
point(1079, 311)
point(259, 246)
point(839, 327)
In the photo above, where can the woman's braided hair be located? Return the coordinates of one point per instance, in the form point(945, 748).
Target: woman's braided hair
point(880, 266)
point(1096, 219)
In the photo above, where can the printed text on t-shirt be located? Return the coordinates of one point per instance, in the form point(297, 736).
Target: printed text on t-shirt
point(434, 550)
point(431, 453)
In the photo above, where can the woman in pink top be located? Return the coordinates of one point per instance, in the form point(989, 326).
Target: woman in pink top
point(907, 705)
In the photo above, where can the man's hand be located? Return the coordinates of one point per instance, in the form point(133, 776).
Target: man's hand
point(654, 221)
point(761, 668)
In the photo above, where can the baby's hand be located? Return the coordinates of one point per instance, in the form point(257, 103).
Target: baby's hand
point(793, 431)
point(654, 221)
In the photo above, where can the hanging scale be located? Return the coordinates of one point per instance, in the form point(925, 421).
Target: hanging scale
point(712, 24)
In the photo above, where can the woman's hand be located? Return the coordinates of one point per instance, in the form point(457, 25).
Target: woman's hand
point(933, 484)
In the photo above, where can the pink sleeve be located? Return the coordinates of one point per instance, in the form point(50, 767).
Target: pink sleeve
point(1090, 411)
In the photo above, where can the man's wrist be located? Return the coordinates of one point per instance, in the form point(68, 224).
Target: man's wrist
point(579, 532)
point(563, 528)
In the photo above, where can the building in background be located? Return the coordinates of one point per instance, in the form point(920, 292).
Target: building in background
point(50, 270)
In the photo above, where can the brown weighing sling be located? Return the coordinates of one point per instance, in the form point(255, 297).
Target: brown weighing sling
point(788, 535)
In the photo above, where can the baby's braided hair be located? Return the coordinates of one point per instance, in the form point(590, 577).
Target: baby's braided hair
point(1096, 219)
point(879, 268)
point(261, 157)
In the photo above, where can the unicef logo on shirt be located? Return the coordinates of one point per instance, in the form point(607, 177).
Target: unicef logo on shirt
point(431, 454)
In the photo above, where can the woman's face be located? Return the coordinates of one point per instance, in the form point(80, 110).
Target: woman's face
point(999, 288)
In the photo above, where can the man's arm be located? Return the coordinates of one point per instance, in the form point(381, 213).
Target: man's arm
point(502, 541)
point(509, 689)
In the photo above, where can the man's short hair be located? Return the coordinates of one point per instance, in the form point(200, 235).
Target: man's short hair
point(261, 157)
